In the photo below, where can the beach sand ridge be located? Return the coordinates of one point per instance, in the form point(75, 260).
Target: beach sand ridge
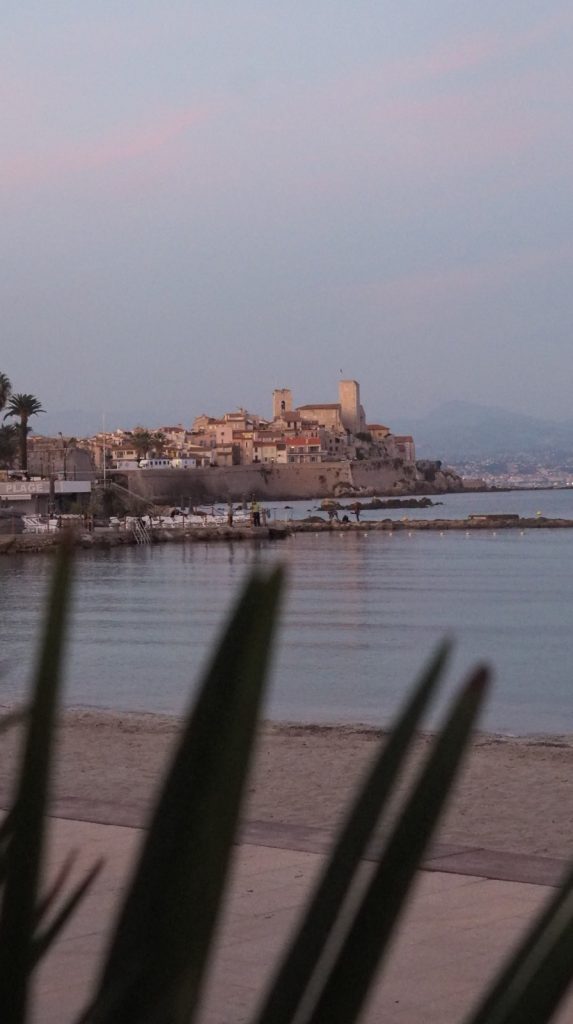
point(515, 794)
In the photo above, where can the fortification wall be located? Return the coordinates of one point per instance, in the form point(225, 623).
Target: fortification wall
point(272, 482)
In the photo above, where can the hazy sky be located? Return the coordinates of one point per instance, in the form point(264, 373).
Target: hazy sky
point(203, 201)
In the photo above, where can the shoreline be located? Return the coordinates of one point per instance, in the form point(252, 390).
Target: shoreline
point(140, 720)
point(515, 794)
point(164, 721)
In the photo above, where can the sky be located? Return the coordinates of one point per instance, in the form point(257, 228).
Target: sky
point(201, 202)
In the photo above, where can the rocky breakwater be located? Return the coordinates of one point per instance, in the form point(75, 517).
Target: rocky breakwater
point(374, 504)
point(317, 524)
point(104, 539)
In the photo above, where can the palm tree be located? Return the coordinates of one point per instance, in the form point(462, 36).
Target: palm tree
point(158, 442)
point(142, 441)
point(5, 389)
point(148, 444)
point(23, 406)
point(8, 445)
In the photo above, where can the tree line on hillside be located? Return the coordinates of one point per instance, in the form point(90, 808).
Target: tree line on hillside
point(14, 436)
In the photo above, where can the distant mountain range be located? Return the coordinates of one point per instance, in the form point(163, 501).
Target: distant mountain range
point(459, 432)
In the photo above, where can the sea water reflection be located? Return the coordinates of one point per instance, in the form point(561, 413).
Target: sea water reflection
point(361, 614)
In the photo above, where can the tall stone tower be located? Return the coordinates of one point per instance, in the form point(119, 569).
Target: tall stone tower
point(351, 412)
point(282, 402)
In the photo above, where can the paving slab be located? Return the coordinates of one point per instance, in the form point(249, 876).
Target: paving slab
point(445, 857)
point(450, 943)
point(497, 864)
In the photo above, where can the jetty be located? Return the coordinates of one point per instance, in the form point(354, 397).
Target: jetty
point(104, 538)
point(316, 524)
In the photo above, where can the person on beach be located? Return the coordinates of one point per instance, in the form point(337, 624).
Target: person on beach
point(230, 514)
point(255, 513)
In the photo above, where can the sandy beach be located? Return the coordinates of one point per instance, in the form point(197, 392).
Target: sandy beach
point(515, 794)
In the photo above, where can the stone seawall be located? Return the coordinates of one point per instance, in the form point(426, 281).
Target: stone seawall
point(273, 482)
point(104, 539)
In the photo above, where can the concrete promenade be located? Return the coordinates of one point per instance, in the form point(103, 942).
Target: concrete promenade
point(469, 909)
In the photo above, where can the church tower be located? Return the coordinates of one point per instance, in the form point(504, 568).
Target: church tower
point(282, 402)
point(351, 412)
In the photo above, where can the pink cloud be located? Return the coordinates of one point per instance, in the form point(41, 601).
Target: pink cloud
point(459, 54)
point(398, 136)
point(472, 51)
point(405, 129)
point(452, 283)
point(121, 146)
point(455, 53)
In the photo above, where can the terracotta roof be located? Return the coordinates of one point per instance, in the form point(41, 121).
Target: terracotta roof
point(320, 405)
point(298, 442)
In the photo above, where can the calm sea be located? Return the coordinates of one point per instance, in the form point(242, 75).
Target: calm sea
point(361, 614)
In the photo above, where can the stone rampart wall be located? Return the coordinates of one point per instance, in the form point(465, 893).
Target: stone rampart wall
point(268, 482)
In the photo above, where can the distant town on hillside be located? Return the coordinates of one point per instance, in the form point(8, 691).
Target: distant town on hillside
point(311, 433)
point(497, 447)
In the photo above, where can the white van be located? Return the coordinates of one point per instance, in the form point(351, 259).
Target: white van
point(155, 463)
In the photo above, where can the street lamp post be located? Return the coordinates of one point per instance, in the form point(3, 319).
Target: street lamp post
point(65, 447)
point(103, 451)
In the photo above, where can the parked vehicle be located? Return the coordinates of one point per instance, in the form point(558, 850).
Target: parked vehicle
point(167, 463)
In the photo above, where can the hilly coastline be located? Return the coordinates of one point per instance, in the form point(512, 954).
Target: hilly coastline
point(458, 432)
